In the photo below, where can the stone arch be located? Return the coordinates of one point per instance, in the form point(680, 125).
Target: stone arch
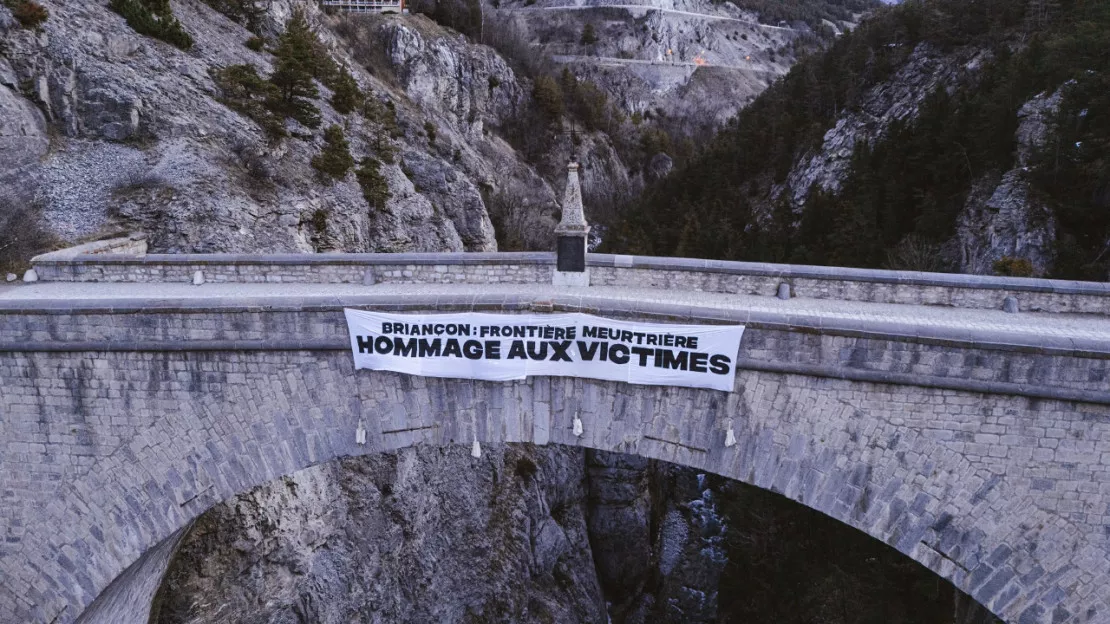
point(886, 459)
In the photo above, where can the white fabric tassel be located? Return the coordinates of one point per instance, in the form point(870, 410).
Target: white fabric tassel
point(360, 434)
point(577, 429)
point(730, 437)
point(476, 450)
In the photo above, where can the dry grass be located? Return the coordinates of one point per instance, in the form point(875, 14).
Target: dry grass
point(23, 235)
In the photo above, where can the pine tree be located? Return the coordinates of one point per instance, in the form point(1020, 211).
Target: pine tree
point(375, 188)
point(548, 98)
point(159, 7)
point(589, 35)
point(346, 96)
point(294, 71)
point(1039, 13)
point(335, 159)
point(248, 93)
point(153, 18)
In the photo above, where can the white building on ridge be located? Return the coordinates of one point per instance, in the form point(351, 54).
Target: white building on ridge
point(365, 6)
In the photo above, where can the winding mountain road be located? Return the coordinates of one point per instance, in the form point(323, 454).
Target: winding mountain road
point(612, 60)
point(632, 7)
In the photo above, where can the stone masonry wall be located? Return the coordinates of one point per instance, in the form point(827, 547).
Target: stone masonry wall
point(1014, 369)
point(134, 245)
point(120, 426)
point(992, 492)
point(264, 273)
point(983, 455)
point(964, 291)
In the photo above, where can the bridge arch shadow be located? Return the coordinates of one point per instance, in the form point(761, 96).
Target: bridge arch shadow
point(884, 459)
point(131, 593)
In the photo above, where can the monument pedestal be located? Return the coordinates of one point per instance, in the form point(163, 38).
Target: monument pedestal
point(570, 252)
point(571, 278)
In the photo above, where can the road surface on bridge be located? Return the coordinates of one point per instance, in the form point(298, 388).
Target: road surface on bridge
point(905, 319)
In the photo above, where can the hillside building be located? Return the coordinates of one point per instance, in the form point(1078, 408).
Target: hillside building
point(365, 6)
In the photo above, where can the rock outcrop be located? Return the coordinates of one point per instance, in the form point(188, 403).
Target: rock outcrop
point(421, 535)
point(1003, 218)
point(141, 140)
point(693, 61)
point(656, 539)
point(23, 136)
point(522, 534)
point(893, 100)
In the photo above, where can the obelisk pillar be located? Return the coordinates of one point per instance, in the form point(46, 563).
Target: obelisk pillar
point(570, 263)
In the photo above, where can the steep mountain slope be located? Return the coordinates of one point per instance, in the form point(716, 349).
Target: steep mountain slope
point(422, 535)
point(108, 129)
point(691, 63)
point(941, 135)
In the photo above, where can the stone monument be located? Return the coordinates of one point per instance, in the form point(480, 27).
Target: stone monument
point(570, 264)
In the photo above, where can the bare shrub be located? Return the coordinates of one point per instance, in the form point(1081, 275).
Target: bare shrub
point(915, 254)
point(253, 160)
point(136, 181)
point(505, 35)
point(366, 47)
point(28, 13)
point(1013, 267)
point(519, 223)
point(23, 235)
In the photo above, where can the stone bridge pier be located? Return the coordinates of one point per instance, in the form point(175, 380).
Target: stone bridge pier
point(910, 406)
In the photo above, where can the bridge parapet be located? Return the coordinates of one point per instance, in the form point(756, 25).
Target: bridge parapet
point(975, 441)
point(746, 278)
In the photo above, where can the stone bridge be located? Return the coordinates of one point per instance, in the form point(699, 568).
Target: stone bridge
point(910, 406)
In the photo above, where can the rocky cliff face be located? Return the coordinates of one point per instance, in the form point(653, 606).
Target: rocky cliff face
point(108, 129)
point(534, 534)
point(893, 100)
point(656, 540)
point(423, 535)
point(694, 61)
point(1001, 218)
point(522, 534)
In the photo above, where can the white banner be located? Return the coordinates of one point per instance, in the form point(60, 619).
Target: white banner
point(504, 347)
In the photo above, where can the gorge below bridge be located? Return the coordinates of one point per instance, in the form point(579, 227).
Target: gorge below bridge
point(910, 406)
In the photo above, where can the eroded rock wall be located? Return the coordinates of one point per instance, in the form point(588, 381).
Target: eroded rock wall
point(523, 534)
point(656, 538)
point(110, 130)
point(420, 535)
